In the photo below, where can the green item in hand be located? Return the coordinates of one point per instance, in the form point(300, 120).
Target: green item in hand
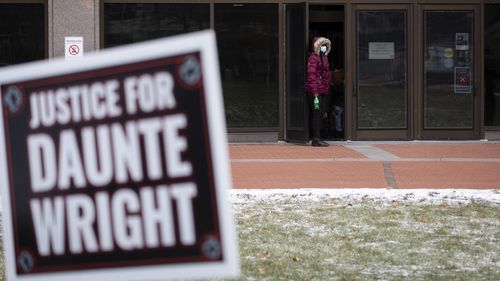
point(316, 102)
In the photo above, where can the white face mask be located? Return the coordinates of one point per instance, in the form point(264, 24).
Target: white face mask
point(323, 49)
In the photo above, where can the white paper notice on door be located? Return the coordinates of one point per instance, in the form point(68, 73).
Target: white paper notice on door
point(381, 50)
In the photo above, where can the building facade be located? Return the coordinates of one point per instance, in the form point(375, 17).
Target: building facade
point(402, 69)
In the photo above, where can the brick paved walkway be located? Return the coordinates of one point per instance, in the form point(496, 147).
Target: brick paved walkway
point(397, 165)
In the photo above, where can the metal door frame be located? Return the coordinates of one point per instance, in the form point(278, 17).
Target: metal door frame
point(290, 134)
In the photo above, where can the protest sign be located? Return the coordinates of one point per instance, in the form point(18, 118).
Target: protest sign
point(115, 167)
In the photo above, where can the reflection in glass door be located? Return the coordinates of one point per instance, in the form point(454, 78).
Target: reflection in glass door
point(381, 84)
point(449, 70)
point(296, 106)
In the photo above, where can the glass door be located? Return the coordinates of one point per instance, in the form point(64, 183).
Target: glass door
point(297, 127)
point(381, 86)
point(449, 76)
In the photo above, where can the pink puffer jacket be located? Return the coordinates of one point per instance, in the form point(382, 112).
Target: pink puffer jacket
point(318, 76)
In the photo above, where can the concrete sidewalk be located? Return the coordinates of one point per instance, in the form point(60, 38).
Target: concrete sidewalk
point(396, 165)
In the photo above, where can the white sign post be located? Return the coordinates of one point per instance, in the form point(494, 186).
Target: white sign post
point(73, 47)
point(115, 167)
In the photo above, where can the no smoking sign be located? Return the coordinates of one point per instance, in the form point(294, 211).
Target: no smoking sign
point(73, 47)
point(74, 50)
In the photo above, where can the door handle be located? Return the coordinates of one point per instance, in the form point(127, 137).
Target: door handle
point(354, 88)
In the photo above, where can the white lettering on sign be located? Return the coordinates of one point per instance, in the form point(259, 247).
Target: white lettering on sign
point(143, 220)
point(149, 92)
point(50, 169)
point(75, 104)
point(95, 156)
point(100, 100)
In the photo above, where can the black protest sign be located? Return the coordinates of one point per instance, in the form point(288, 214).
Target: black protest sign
point(112, 168)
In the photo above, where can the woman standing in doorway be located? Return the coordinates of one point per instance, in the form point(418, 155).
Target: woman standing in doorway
point(318, 83)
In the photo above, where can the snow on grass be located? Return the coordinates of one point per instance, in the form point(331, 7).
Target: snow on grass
point(318, 234)
point(457, 196)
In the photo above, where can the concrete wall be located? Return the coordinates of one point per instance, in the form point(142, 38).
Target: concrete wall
point(72, 18)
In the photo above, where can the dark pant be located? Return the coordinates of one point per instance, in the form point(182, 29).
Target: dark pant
point(317, 115)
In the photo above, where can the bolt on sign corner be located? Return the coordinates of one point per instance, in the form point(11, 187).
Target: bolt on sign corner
point(116, 167)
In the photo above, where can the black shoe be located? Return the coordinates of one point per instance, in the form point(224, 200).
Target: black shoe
point(319, 143)
point(323, 143)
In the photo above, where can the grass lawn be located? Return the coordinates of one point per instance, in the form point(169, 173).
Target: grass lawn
point(304, 236)
point(366, 239)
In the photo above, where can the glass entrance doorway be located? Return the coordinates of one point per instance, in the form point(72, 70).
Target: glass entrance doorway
point(450, 69)
point(328, 21)
point(415, 77)
point(381, 85)
point(304, 22)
